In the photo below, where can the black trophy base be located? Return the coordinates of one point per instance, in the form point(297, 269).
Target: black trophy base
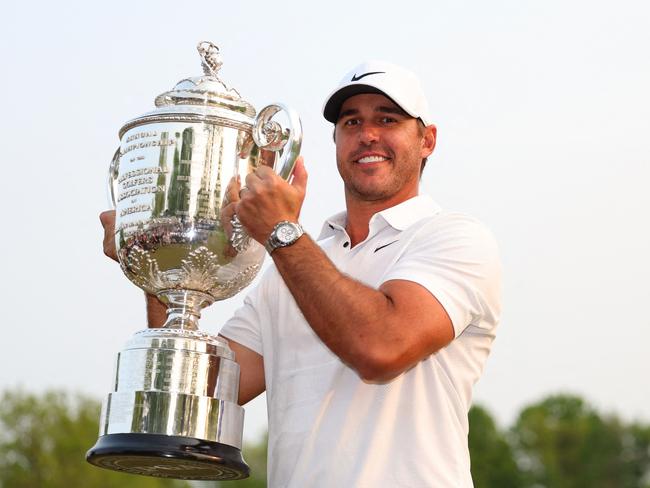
point(168, 456)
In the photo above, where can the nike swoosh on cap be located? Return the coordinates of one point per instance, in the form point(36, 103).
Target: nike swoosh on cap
point(385, 245)
point(357, 78)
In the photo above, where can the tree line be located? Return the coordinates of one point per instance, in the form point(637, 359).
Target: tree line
point(559, 442)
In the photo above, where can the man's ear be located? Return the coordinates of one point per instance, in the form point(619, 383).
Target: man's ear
point(429, 140)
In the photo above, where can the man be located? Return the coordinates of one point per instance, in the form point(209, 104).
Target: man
point(368, 342)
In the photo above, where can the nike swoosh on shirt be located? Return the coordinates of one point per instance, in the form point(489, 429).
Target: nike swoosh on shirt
point(381, 247)
point(357, 78)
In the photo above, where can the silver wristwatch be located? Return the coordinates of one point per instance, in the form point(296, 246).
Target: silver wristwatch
point(284, 234)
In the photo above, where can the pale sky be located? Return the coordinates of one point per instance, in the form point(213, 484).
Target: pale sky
point(543, 117)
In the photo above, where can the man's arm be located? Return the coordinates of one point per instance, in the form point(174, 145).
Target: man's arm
point(378, 332)
point(156, 311)
point(251, 372)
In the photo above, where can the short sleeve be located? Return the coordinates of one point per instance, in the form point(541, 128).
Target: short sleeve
point(456, 259)
point(245, 325)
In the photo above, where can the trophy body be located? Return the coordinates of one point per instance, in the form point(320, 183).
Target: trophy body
point(173, 410)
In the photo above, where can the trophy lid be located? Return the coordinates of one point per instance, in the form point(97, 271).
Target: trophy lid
point(207, 90)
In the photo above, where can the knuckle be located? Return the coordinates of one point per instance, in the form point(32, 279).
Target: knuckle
point(107, 217)
point(271, 183)
point(245, 205)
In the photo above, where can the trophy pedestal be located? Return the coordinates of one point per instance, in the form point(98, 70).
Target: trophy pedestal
point(168, 457)
point(173, 411)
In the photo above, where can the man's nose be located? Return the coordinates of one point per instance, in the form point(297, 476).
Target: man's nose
point(368, 134)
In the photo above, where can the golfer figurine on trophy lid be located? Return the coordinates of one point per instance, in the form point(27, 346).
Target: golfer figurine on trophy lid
point(172, 411)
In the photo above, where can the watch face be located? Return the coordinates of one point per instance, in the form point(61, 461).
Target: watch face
point(286, 233)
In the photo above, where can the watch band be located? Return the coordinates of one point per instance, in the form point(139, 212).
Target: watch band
point(283, 234)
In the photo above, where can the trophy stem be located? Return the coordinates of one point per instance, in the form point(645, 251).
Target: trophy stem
point(184, 308)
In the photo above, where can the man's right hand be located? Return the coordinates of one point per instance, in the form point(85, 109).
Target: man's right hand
point(107, 219)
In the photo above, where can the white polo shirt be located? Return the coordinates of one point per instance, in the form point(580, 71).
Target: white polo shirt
point(327, 427)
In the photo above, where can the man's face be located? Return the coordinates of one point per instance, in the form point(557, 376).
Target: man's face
point(379, 149)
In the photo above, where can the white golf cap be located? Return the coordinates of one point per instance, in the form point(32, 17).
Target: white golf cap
point(397, 83)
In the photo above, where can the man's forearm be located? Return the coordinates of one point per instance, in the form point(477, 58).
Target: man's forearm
point(156, 311)
point(352, 319)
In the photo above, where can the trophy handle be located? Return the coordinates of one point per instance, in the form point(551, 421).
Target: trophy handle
point(113, 172)
point(270, 135)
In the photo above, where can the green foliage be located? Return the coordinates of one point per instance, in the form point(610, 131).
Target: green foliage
point(562, 442)
point(44, 439)
point(637, 452)
point(493, 462)
point(255, 457)
point(559, 442)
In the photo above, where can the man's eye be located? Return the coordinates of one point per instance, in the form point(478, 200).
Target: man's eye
point(351, 122)
point(388, 120)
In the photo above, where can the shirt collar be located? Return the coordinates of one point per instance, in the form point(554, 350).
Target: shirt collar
point(332, 225)
point(400, 217)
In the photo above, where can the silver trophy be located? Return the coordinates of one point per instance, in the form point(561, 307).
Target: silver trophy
point(174, 181)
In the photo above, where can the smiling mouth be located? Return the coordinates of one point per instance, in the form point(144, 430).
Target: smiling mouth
point(371, 159)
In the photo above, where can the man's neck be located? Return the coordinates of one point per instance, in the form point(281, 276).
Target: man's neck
point(360, 212)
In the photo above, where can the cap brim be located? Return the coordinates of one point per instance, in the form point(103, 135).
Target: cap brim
point(332, 108)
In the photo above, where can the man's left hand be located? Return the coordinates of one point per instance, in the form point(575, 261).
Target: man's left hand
point(267, 199)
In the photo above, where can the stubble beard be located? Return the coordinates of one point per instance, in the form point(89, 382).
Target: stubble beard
point(369, 193)
point(383, 190)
